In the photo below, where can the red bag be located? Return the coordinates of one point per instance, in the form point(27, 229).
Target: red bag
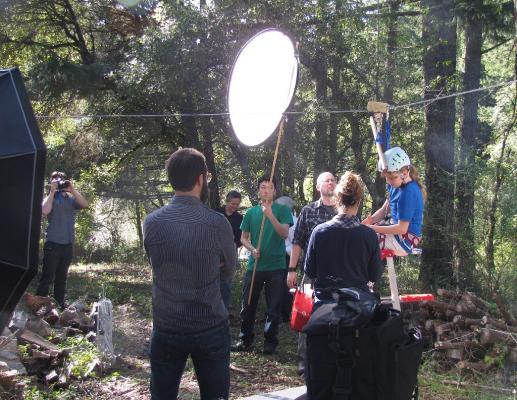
point(302, 309)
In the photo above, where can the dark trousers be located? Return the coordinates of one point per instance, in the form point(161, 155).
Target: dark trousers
point(210, 353)
point(226, 293)
point(287, 300)
point(274, 284)
point(56, 261)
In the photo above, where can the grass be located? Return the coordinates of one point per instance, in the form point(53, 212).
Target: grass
point(128, 286)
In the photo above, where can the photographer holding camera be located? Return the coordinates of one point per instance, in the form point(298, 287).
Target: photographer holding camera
point(60, 207)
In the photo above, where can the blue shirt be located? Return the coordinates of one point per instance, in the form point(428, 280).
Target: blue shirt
point(61, 220)
point(407, 204)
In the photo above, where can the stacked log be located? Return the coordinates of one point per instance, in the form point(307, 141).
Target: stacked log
point(40, 327)
point(462, 329)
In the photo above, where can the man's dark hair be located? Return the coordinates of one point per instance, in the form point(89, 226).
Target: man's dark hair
point(233, 194)
point(57, 175)
point(265, 178)
point(183, 168)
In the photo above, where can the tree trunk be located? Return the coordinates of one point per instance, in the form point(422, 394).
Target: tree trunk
point(138, 224)
point(465, 177)
point(334, 118)
point(515, 41)
point(492, 214)
point(299, 188)
point(76, 34)
point(191, 138)
point(320, 147)
point(214, 199)
point(439, 35)
point(287, 157)
point(240, 153)
point(391, 46)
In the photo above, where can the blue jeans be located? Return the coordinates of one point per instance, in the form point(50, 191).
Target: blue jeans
point(210, 353)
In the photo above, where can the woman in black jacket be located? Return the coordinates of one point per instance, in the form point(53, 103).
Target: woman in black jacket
point(342, 248)
point(343, 252)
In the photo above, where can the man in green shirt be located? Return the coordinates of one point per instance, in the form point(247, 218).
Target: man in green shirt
point(271, 268)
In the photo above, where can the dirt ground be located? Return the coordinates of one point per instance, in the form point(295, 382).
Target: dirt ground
point(128, 286)
point(250, 373)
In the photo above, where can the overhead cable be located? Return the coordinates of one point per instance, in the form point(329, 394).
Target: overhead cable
point(424, 103)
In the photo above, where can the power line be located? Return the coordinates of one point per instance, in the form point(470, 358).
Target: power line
point(429, 101)
point(424, 103)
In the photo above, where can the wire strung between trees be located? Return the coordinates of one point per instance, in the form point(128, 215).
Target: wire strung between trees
point(423, 103)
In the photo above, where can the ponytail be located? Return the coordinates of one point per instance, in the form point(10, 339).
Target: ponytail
point(413, 173)
point(349, 191)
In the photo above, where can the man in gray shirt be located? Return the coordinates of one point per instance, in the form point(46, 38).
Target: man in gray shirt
point(185, 242)
point(60, 207)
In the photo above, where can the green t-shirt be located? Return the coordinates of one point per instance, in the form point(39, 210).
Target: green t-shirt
point(272, 247)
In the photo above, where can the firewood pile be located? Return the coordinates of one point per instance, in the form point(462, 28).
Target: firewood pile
point(40, 329)
point(467, 331)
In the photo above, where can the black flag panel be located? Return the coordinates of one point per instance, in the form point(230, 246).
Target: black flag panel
point(22, 168)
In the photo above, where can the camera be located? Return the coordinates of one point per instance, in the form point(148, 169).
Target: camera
point(62, 184)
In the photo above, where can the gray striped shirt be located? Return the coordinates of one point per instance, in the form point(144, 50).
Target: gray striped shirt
point(185, 242)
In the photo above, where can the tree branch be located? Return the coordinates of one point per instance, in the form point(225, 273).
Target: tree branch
point(496, 46)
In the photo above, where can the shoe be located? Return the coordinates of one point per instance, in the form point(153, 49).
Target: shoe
point(241, 346)
point(269, 348)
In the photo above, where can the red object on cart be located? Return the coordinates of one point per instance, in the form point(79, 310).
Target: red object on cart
point(385, 253)
point(411, 298)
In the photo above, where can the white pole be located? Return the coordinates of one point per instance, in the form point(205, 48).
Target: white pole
point(395, 299)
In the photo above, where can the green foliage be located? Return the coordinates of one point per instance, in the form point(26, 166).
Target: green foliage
point(82, 358)
point(24, 351)
point(170, 57)
point(33, 393)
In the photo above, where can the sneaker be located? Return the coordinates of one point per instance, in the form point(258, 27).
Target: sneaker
point(269, 348)
point(241, 346)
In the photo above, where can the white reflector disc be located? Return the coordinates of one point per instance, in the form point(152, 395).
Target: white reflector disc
point(261, 87)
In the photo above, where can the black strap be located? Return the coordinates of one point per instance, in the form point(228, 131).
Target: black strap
point(343, 344)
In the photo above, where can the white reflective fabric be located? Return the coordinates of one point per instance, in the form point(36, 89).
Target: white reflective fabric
point(261, 86)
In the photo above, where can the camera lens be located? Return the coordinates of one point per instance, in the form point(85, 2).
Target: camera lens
point(62, 184)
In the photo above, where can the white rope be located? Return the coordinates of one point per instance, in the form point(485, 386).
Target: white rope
point(359, 111)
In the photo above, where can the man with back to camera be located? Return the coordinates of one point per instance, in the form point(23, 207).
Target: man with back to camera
point(60, 208)
point(312, 215)
point(233, 201)
point(270, 268)
point(185, 242)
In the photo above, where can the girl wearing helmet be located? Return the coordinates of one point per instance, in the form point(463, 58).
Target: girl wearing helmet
point(406, 203)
